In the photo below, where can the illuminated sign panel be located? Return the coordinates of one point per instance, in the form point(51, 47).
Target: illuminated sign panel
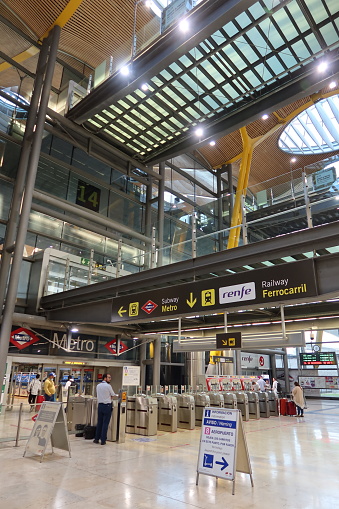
point(318, 358)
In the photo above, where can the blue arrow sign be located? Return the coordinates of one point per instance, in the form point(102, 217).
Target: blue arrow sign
point(223, 463)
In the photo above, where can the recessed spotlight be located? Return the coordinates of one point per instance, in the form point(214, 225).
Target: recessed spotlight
point(322, 67)
point(212, 143)
point(199, 132)
point(144, 87)
point(74, 329)
point(293, 160)
point(265, 117)
point(125, 70)
point(183, 25)
point(333, 84)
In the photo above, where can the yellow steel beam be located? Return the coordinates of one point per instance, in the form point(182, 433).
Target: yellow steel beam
point(61, 21)
point(21, 57)
point(65, 16)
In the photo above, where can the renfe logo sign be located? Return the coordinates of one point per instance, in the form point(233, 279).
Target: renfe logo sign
point(22, 338)
point(237, 293)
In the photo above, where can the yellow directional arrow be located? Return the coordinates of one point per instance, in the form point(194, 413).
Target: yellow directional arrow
point(192, 301)
point(122, 311)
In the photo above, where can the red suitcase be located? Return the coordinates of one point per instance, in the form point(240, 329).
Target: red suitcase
point(283, 406)
point(39, 399)
point(291, 408)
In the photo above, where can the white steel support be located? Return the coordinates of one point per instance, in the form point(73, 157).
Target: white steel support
point(307, 201)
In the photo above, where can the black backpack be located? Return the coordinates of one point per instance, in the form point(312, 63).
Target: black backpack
point(279, 387)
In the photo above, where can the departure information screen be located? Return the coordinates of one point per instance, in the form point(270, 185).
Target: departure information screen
point(317, 358)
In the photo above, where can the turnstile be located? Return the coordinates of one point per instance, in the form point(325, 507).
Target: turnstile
point(201, 400)
point(230, 400)
point(264, 404)
point(242, 401)
point(78, 411)
point(130, 415)
point(186, 411)
point(216, 399)
point(167, 413)
point(113, 423)
point(146, 415)
point(273, 403)
point(253, 405)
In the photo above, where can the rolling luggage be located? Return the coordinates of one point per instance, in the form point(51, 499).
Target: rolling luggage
point(89, 432)
point(283, 406)
point(39, 399)
point(291, 408)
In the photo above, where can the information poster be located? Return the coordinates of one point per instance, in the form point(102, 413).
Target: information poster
point(319, 382)
point(131, 375)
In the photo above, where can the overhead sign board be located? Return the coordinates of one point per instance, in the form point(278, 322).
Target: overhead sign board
point(230, 340)
point(219, 455)
point(279, 283)
point(318, 358)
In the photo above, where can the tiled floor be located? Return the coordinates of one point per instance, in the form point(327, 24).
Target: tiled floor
point(295, 465)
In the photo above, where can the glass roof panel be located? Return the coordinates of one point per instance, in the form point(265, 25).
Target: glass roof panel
point(329, 34)
point(315, 130)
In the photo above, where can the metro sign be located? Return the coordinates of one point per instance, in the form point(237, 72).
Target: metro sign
point(112, 347)
point(149, 306)
point(22, 338)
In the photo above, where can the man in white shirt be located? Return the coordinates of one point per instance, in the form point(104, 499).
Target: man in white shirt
point(261, 383)
point(105, 395)
point(34, 388)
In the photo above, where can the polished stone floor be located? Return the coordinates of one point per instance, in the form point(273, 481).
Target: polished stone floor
point(295, 464)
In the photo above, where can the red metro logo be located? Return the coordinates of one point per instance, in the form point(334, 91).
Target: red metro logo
point(22, 338)
point(112, 347)
point(261, 360)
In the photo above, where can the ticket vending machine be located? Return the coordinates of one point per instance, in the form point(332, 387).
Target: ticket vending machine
point(253, 404)
point(216, 399)
point(273, 403)
point(201, 400)
point(242, 400)
point(167, 413)
point(186, 411)
point(146, 415)
point(264, 404)
point(230, 400)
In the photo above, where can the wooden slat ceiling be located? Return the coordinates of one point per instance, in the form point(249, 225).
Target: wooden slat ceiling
point(99, 29)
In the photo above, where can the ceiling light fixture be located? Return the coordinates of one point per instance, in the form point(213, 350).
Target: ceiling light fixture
point(265, 116)
point(199, 132)
point(332, 85)
point(322, 67)
point(125, 70)
point(212, 143)
point(183, 25)
point(293, 160)
point(144, 87)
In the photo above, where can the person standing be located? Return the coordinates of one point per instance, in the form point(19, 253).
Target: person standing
point(49, 387)
point(275, 387)
point(105, 395)
point(34, 388)
point(68, 383)
point(298, 398)
point(255, 386)
point(261, 383)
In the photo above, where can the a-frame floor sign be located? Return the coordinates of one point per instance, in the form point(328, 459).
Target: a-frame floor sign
point(49, 424)
point(223, 449)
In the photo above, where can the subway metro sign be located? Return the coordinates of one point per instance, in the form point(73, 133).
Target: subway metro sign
point(276, 284)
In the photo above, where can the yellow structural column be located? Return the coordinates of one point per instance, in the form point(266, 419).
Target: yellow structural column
point(245, 166)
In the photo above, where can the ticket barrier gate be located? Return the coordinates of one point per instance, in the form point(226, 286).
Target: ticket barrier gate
point(242, 400)
point(186, 411)
point(79, 410)
point(216, 399)
point(130, 415)
point(264, 404)
point(273, 403)
point(201, 401)
point(146, 415)
point(253, 405)
point(230, 400)
point(117, 425)
point(167, 413)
